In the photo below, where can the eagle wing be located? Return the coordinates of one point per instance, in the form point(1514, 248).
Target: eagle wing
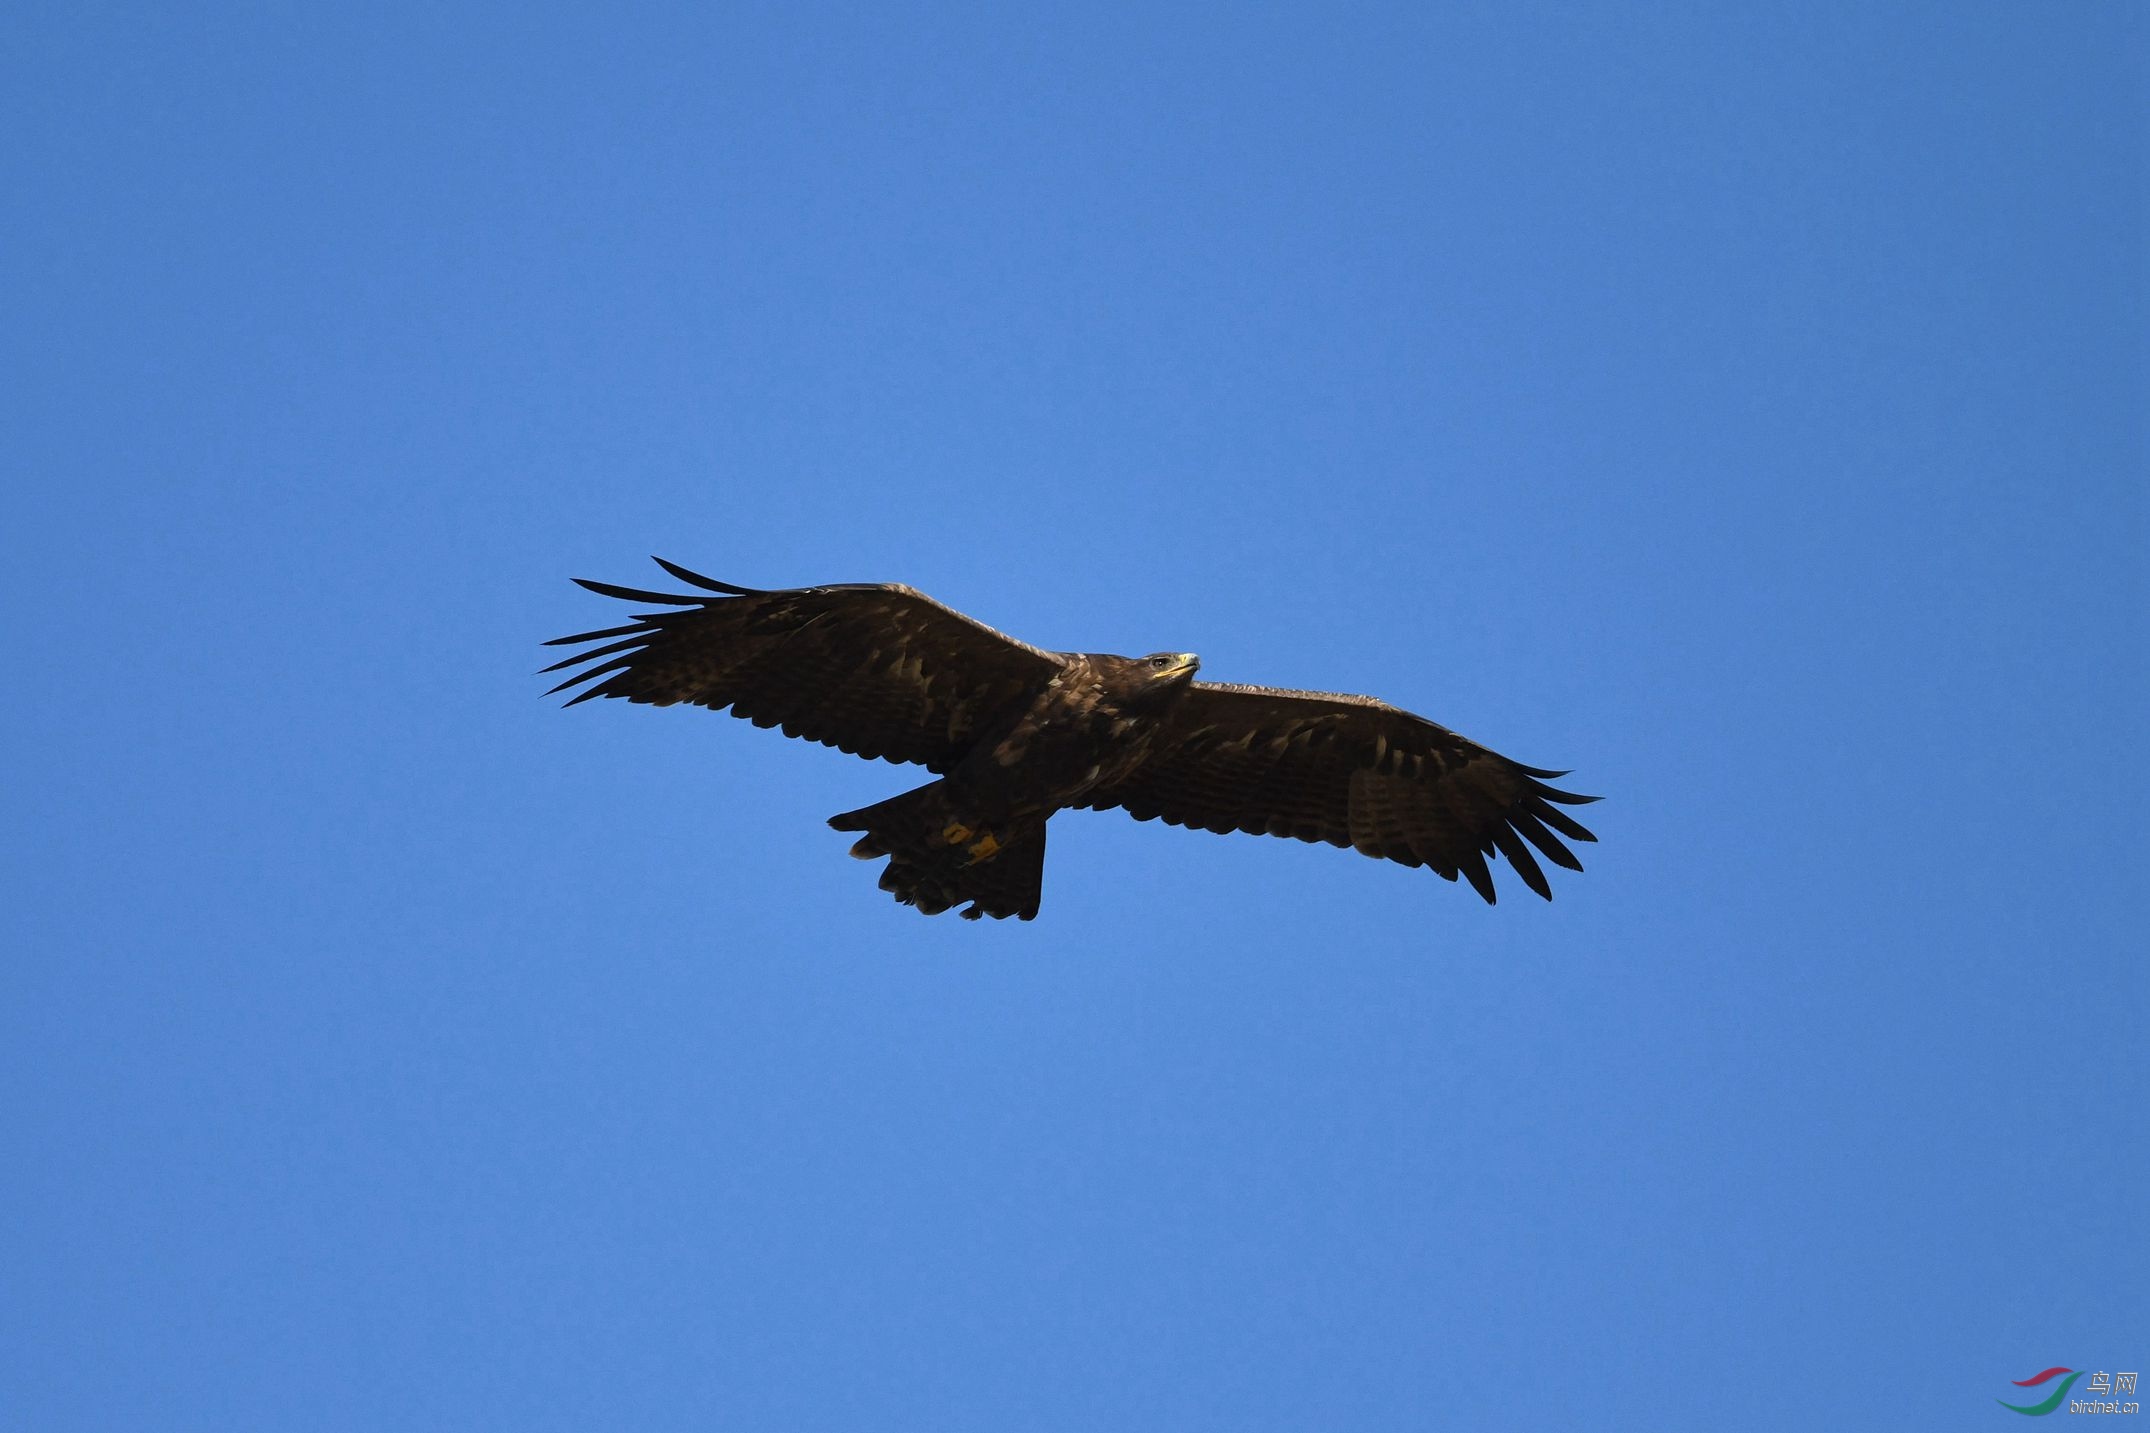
point(878, 670)
point(1352, 771)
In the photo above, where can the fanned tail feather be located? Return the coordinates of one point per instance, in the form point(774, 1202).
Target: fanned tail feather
point(939, 857)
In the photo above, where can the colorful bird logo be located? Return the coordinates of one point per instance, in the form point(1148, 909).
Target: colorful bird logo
point(2040, 1410)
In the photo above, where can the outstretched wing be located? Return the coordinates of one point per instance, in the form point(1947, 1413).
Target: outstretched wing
point(1351, 771)
point(879, 670)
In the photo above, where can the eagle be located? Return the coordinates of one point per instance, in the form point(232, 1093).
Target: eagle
point(1014, 733)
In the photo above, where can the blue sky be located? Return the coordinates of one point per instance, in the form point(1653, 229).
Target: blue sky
point(1740, 405)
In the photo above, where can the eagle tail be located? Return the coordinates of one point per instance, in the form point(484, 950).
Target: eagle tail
point(939, 856)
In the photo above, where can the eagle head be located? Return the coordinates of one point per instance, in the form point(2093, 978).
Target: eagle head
point(1169, 666)
point(1140, 680)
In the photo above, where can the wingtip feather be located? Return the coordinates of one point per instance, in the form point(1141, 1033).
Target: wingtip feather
point(1519, 858)
point(1474, 869)
point(636, 594)
point(707, 584)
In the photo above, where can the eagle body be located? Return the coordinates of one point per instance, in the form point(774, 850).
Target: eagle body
point(1088, 725)
point(1016, 733)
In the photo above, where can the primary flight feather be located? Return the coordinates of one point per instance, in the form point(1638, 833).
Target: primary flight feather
point(1015, 733)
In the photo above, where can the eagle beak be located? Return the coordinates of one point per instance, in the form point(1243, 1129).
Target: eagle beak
point(1188, 663)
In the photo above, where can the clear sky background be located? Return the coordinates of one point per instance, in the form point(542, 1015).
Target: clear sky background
point(1742, 405)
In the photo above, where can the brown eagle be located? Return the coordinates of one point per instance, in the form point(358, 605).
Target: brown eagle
point(1016, 733)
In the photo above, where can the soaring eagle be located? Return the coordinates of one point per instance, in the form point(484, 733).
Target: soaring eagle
point(1015, 733)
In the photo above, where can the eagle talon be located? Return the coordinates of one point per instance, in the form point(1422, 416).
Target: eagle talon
point(984, 849)
point(955, 833)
